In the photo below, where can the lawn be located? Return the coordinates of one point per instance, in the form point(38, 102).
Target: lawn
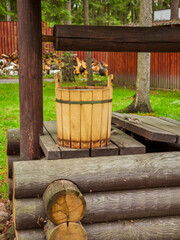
point(164, 103)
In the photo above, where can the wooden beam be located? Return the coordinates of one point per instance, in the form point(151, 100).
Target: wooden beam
point(99, 173)
point(116, 39)
point(30, 77)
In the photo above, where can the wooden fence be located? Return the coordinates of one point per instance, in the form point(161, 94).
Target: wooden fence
point(9, 41)
point(165, 70)
point(165, 67)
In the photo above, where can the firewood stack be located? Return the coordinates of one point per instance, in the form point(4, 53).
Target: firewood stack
point(52, 63)
point(9, 64)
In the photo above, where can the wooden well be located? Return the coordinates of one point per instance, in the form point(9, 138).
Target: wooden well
point(83, 115)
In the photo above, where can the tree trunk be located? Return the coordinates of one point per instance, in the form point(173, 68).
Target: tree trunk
point(174, 9)
point(64, 202)
point(65, 231)
point(88, 54)
point(8, 5)
point(141, 102)
point(68, 70)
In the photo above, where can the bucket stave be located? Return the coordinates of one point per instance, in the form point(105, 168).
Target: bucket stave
point(83, 116)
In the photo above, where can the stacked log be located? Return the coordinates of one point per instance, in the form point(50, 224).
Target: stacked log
point(12, 151)
point(127, 197)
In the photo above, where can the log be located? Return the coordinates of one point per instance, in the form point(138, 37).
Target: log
point(13, 142)
point(29, 213)
point(155, 228)
point(63, 202)
point(9, 161)
point(165, 228)
point(65, 231)
point(10, 188)
point(116, 39)
point(108, 206)
point(99, 174)
point(35, 234)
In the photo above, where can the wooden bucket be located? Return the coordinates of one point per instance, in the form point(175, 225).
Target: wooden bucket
point(83, 115)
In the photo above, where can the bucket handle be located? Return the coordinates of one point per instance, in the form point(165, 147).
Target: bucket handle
point(110, 80)
point(58, 79)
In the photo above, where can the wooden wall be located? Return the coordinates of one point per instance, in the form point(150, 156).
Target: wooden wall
point(165, 69)
point(8, 41)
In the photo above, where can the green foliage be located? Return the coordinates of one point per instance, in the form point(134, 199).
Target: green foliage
point(4, 12)
point(54, 11)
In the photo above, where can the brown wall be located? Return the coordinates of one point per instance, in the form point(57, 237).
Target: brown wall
point(165, 69)
point(8, 41)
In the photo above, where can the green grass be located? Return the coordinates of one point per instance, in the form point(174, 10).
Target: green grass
point(164, 103)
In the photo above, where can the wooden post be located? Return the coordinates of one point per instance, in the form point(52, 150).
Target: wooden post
point(30, 77)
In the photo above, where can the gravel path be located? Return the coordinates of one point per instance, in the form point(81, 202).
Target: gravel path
point(17, 80)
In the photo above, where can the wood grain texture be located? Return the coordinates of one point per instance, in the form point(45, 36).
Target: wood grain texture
point(165, 228)
point(35, 234)
point(63, 202)
point(49, 147)
point(108, 206)
point(127, 145)
point(9, 160)
point(161, 124)
point(110, 150)
point(30, 77)
point(116, 39)
point(65, 152)
point(155, 228)
point(149, 132)
point(13, 141)
point(171, 120)
point(99, 173)
point(29, 213)
point(65, 231)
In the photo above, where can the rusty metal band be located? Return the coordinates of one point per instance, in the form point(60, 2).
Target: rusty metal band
point(84, 102)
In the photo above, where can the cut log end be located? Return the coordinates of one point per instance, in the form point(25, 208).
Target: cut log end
point(65, 231)
point(64, 202)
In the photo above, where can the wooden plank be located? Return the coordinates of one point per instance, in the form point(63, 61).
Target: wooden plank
point(96, 111)
point(99, 173)
point(66, 153)
point(86, 119)
point(30, 77)
point(75, 119)
point(171, 120)
point(160, 124)
point(110, 150)
point(116, 39)
point(74, 153)
point(49, 147)
point(142, 129)
point(127, 145)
